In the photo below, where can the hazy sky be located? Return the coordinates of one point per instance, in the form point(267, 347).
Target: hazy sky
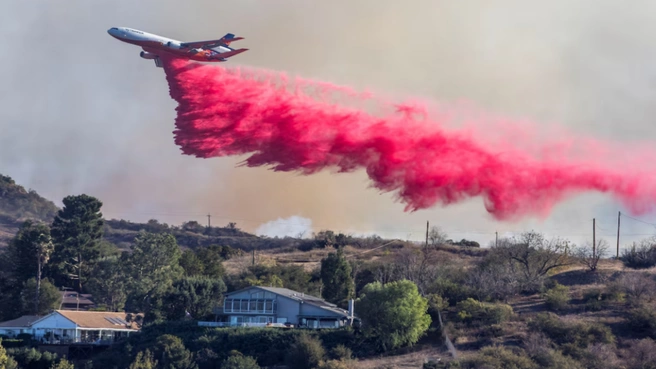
point(81, 112)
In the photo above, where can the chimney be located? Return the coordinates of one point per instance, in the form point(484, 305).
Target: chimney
point(351, 308)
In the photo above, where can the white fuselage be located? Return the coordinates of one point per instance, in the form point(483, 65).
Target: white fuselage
point(145, 39)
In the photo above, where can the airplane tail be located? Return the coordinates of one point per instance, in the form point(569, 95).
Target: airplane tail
point(229, 38)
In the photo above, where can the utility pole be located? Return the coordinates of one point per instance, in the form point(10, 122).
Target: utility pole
point(209, 224)
point(594, 244)
point(253, 256)
point(496, 238)
point(426, 234)
point(618, 235)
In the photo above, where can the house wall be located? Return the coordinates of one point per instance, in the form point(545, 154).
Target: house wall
point(54, 323)
point(287, 309)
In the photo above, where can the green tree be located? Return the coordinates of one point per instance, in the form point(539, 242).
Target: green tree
point(63, 364)
point(144, 360)
point(239, 361)
point(108, 283)
point(152, 267)
point(393, 315)
point(204, 261)
point(48, 298)
point(172, 354)
point(4, 358)
point(29, 251)
point(306, 353)
point(198, 296)
point(337, 280)
point(191, 264)
point(76, 232)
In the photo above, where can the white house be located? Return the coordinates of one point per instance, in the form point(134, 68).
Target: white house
point(262, 306)
point(13, 328)
point(94, 327)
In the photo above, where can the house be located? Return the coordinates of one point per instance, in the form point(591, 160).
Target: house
point(266, 306)
point(90, 327)
point(13, 328)
point(71, 300)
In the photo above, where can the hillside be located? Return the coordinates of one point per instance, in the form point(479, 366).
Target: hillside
point(17, 205)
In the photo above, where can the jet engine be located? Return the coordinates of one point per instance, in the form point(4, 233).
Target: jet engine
point(174, 45)
point(147, 55)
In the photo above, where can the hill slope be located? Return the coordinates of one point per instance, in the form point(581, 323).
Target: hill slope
point(17, 205)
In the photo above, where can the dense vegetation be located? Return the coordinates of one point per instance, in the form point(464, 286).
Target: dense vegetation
point(527, 302)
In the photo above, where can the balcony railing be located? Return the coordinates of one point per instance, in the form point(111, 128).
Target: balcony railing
point(234, 324)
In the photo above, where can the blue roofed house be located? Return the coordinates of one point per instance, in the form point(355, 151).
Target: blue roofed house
point(272, 306)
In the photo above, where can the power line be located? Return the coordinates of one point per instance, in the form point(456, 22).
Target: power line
point(638, 220)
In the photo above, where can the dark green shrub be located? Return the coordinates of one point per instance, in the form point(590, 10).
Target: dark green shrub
point(595, 299)
point(642, 321)
point(239, 361)
point(499, 357)
point(451, 291)
point(640, 257)
point(579, 334)
point(306, 353)
point(475, 312)
point(557, 297)
point(340, 352)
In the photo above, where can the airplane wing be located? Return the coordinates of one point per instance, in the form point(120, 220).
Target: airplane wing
point(225, 40)
point(228, 54)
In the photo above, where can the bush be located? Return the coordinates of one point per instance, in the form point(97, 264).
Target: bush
point(338, 364)
point(595, 299)
point(32, 358)
point(641, 354)
point(340, 352)
point(577, 335)
point(557, 297)
point(642, 320)
point(637, 287)
point(640, 257)
point(451, 291)
point(499, 357)
point(239, 361)
point(475, 312)
point(306, 353)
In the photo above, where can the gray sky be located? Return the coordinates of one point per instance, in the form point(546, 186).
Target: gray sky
point(80, 112)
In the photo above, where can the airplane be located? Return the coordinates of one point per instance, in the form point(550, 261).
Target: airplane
point(154, 45)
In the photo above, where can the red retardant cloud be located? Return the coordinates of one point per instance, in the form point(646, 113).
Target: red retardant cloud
point(295, 127)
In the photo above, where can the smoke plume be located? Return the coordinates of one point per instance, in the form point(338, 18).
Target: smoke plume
point(297, 126)
point(293, 226)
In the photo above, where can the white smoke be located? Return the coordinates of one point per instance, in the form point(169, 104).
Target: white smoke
point(293, 226)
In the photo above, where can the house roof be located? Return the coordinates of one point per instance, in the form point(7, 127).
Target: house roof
point(98, 319)
point(24, 321)
point(300, 296)
point(71, 297)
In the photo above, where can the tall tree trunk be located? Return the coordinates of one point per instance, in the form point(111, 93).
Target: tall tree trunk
point(79, 273)
point(38, 287)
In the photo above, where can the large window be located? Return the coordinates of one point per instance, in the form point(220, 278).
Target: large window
point(255, 306)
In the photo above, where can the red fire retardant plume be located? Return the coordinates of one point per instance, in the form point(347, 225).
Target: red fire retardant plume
point(224, 112)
